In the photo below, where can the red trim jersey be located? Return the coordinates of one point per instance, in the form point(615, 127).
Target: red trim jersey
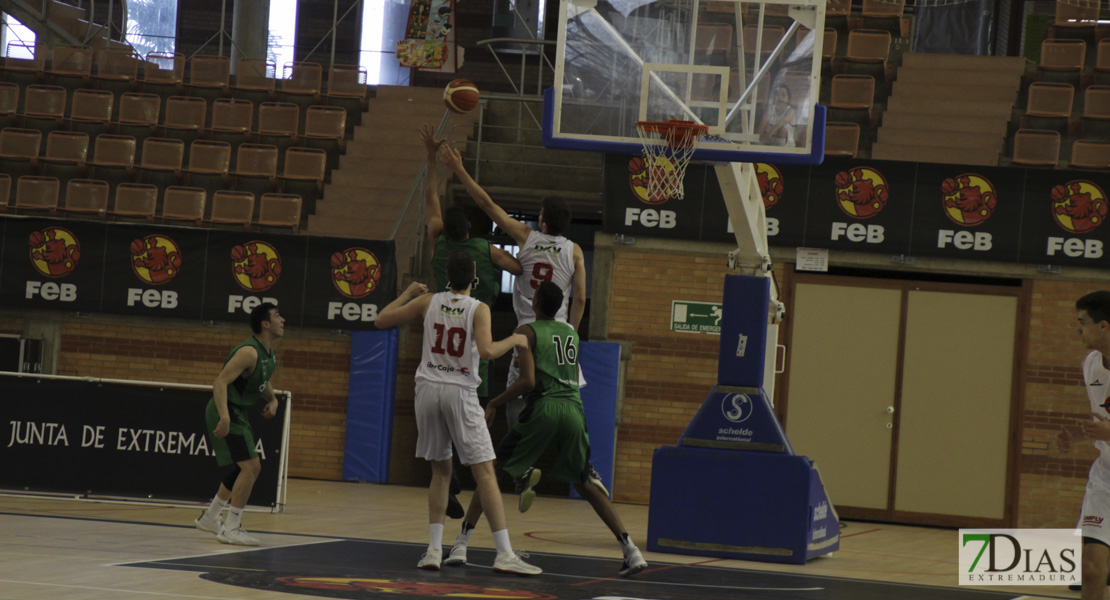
point(544, 258)
point(450, 354)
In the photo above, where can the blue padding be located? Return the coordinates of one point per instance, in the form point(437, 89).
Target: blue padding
point(601, 367)
point(815, 157)
point(370, 405)
point(743, 346)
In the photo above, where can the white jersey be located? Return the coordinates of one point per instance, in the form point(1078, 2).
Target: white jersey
point(1097, 378)
point(450, 354)
point(544, 258)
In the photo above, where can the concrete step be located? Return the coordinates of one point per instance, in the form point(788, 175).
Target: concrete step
point(544, 177)
point(906, 120)
point(950, 76)
point(947, 108)
point(938, 137)
point(534, 155)
point(952, 154)
point(385, 205)
point(1011, 64)
point(967, 93)
point(346, 226)
point(395, 174)
point(60, 11)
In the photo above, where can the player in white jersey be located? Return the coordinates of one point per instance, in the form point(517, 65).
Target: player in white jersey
point(1094, 330)
point(545, 255)
point(456, 335)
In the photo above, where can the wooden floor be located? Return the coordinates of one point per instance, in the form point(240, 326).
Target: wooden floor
point(67, 549)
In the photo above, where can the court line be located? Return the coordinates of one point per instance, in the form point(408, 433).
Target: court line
point(842, 536)
point(655, 570)
point(115, 590)
point(228, 549)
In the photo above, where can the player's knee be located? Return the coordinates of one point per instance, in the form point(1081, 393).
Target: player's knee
point(251, 468)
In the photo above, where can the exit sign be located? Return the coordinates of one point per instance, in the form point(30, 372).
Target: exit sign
point(696, 317)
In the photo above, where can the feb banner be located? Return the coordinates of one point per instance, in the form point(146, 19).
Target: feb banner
point(429, 42)
point(116, 438)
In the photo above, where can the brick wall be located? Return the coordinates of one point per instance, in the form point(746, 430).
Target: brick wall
point(313, 364)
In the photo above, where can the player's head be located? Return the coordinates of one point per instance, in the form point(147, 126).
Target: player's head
point(460, 270)
point(455, 224)
point(265, 317)
point(1094, 318)
point(782, 94)
point(547, 301)
point(555, 216)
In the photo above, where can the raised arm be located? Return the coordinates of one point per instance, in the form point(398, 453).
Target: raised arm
point(578, 289)
point(517, 230)
point(483, 337)
point(505, 261)
point(241, 362)
point(432, 212)
point(409, 306)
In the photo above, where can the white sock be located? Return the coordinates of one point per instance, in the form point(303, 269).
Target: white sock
point(216, 507)
point(464, 535)
point(501, 541)
point(234, 518)
point(435, 536)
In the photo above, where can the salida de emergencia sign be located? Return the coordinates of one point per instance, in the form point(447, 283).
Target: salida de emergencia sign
point(696, 317)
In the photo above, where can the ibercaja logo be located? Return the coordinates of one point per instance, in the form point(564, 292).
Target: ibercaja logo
point(155, 259)
point(638, 177)
point(55, 251)
point(969, 199)
point(1078, 206)
point(255, 265)
point(770, 183)
point(1020, 556)
point(861, 192)
point(355, 272)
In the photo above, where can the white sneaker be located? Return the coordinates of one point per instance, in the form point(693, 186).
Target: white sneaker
point(236, 537)
point(524, 485)
point(457, 558)
point(633, 563)
point(513, 563)
point(431, 559)
point(209, 524)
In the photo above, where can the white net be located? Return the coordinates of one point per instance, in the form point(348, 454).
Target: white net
point(668, 147)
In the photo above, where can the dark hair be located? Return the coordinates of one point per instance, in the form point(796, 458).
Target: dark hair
point(550, 299)
point(455, 224)
point(260, 314)
point(1097, 305)
point(789, 94)
point(556, 215)
point(460, 270)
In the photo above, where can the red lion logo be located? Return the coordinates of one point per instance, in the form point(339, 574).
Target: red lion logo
point(770, 185)
point(355, 272)
point(54, 251)
point(858, 193)
point(639, 181)
point(161, 263)
point(256, 265)
point(966, 196)
point(1078, 207)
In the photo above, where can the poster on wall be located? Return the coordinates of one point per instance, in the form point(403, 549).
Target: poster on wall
point(784, 191)
point(861, 206)
point(968, 212)
point(1065, 218)
point(629, 209)
point(429, 41)
point(53, 264)
point(346, 282)
point(155, 271)
point(246, 269)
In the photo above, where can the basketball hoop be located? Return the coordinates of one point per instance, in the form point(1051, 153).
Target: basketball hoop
point(668, 148)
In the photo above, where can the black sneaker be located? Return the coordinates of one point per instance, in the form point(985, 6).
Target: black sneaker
point(455, 508)
point(524, 485)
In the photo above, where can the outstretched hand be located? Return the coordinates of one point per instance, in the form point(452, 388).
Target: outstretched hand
point(450, 157)
point(428, 136)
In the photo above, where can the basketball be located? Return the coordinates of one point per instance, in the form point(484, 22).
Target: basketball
point(636, 165)
point(36, 239)
point(461, 96)
point(949, 186)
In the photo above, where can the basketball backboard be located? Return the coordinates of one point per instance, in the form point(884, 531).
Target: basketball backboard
point(747, 70)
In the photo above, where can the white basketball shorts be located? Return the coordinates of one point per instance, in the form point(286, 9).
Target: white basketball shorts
point(447, 413)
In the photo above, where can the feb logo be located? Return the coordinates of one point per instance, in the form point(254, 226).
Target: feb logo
point(54, 251)
point(255, 265)
point(968, 199)
point(737, 407)
point(1079, 206)
point(638, 177)
point(861, 192)
point(770, 183)
point(355, 272)
point(155, 259)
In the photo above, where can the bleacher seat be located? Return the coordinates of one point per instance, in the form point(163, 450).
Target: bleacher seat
point(1076, 20)
point(1049, 106)
point(301, 83)
point(24, 71)
point(71, 66)
point(867, 53)
point(256, 168)
point(185, 118)
point(164, 74)
point(117, 70)
point(347, 88)
point(1090, 154)
point(278, 124)
point(162, 159)
point(1096, 112)
point(883, 15)
point(209, 163)
point(86, 196)
point(232, 119)
point(280, 210)
point(1036, 148)
point(851, 100)
point(19, 151)
point(138, 114)
point(232, 208)
point(9, 103)
point(91, 110)
point(1062, 61)
point(135, 200)
point(325, 128)
point(304, 173)
point(255, 80)
point(208, 77)
point(5, 192)
point(66, 154)
point(44, 107)
point(183, 204)
point(114, 158)
point(35, 193)
point(841, 139)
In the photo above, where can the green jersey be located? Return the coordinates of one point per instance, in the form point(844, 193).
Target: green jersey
point(556, 356)
point(488, 284)
point(246, 392)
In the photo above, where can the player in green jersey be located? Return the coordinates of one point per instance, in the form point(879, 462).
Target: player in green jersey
point(553, 415)
point(241, 384)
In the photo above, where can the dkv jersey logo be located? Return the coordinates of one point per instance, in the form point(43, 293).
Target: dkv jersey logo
point(155, 259)
point(355, 272)
point(861, 192)
point(1078, 206)
point(1020, 556)
point(255, 265)
point(54, 251)
point(770, 183)
point(968, 199)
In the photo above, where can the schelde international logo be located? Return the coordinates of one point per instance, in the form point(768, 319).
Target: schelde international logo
point(55, 251)
point(861, 192)
point(256, 266)
point(355, 272)
point(1078, 206)
point(737, 407)
point(1020, 556)
point(638, 177)
point(155, 259)
point(770, 183)
point(968, 199)
point(321, 586)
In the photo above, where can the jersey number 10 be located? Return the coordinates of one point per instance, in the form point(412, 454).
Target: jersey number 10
point(455, 338)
